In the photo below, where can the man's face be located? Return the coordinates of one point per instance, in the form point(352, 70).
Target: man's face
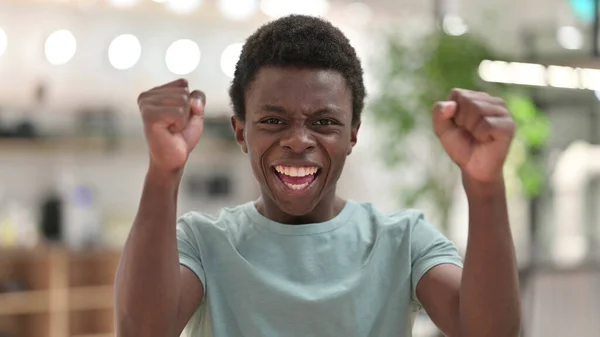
point(297, 133)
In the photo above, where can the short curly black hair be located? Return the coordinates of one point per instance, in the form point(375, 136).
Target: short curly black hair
point(298, 41)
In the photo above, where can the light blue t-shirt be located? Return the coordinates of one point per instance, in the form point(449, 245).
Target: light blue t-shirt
point(352, 276)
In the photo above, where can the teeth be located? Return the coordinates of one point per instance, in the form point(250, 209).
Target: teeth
point(296, 171)
point(296, 187)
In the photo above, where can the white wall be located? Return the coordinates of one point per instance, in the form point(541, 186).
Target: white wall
point(89, 79)
point(116, 179)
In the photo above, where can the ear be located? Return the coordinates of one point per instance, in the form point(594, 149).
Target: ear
point(353, 136)
point(239, 132)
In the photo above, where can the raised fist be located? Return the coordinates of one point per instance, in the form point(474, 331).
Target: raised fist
point(173, 123)
point(476, 130)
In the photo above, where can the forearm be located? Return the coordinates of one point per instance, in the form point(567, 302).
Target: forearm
point(147, 282)
point(489, 293)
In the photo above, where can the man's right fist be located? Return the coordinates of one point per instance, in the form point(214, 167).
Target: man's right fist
point(173, 122)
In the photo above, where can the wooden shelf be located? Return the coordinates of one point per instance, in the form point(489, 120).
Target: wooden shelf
point(91, 298)
point(81, 298)
point(29, 302)
point(77, 145)
point(71, 292)
point(83, 146)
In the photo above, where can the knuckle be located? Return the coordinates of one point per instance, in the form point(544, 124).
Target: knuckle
point(182, 81)
point(478, 105)
point(142, 96)
point(183, 99)
point(174, 99)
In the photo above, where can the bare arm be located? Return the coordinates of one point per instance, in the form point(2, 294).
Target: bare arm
point(483, 300)
point(476, 131)
point(154, 296)
point(150, 282)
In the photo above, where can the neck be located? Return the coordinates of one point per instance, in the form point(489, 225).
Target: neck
point(328, 208)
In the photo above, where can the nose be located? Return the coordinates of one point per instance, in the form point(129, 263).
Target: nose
point(298, 139)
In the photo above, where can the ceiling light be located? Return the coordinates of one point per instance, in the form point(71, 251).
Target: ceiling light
point(124, 3)
point(124, 51)
point(183, 6)
point(279, 8)
point(569, 37)
point(60, 47)
point(183, 56)
point(238, 9)
point(454, 25)
point(230, 57)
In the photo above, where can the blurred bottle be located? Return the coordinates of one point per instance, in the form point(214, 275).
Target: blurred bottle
point(8, 228)
point(82, 225)
point(51, 216)
point(17, 225)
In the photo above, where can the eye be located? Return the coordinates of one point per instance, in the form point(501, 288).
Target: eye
point(272, 121)
point(325, 122)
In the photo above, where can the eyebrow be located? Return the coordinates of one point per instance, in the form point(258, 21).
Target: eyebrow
point(327, 111)
point(274, 109)
point(282, 111)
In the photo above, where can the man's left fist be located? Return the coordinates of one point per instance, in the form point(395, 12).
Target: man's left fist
point(476, 130)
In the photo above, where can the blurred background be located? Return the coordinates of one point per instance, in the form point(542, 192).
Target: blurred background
point(73, 157)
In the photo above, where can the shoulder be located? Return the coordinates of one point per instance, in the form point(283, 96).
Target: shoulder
point(414, 222)
point(399, 220)
point(408, 218)
point(196, 222)
point(402, 226)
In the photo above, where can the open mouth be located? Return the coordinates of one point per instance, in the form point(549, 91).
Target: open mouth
point(297, 178)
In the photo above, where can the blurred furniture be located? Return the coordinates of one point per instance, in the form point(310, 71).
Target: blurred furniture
point(53, 292)
point(563, 301)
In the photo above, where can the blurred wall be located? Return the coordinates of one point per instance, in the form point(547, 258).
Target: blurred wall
point(89, 80)
point(27, 25)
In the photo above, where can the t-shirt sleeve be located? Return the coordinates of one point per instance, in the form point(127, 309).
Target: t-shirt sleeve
point(189, 247)
point(429, 248)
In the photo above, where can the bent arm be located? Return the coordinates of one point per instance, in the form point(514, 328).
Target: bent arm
point(154, 295)
point(483, 298)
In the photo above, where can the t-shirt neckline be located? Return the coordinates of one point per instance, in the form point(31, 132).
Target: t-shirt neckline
point(305, 229)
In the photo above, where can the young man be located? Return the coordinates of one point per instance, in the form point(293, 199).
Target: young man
point(301, 261)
